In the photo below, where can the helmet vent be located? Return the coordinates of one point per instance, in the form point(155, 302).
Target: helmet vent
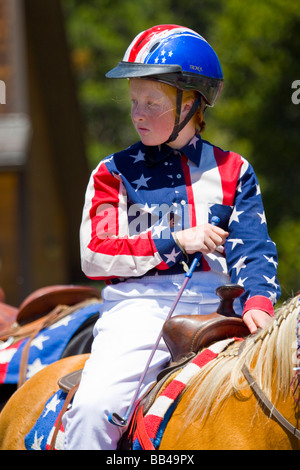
point(154, 47)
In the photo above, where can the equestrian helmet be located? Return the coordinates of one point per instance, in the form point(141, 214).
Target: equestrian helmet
point(175, 55)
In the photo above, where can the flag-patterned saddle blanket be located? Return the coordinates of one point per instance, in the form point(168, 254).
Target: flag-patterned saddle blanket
point(46, 347)
point(153, 424)
point(40, 436)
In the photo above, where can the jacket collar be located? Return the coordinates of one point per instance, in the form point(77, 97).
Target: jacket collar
point(192, 151)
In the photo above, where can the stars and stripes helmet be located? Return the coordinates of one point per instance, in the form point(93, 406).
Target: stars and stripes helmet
point(175, 55)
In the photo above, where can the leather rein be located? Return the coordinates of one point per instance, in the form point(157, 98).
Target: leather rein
point(266, 403)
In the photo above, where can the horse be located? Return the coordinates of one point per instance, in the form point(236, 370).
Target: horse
point(224, 407)
point(221, 410)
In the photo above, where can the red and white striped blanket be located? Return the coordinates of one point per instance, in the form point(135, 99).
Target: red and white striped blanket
point(150, 428)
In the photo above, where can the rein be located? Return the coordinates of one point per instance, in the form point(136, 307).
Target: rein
point(265, 402)
point(274, 413)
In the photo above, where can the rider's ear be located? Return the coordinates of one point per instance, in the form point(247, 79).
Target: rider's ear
point(186, 107)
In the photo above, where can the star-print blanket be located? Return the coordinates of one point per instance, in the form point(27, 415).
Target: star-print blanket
point(40, 436)
point(46, 348)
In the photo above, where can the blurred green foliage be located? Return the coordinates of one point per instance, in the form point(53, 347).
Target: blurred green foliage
point(258, 44)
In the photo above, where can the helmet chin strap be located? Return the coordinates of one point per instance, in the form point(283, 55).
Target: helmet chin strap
point(178, 126)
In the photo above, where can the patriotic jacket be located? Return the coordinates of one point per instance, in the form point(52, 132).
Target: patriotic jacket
point(136, 198)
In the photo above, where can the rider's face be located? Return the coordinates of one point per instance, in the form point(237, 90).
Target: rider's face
point(152, 110)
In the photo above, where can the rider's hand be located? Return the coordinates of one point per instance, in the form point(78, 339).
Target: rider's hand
point(255, 319)
point(204, 238)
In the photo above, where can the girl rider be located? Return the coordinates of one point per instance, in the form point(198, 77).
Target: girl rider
point(147, 212)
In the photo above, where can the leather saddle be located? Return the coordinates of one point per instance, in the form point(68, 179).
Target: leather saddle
point(47, 303)
point(186, 335)
point(41, 309)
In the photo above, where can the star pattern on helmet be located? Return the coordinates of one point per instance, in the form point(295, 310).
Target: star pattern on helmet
point(163, 56)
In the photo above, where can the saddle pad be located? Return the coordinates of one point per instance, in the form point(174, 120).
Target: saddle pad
point(156, 419)
point(46, 348)
point(40, 436)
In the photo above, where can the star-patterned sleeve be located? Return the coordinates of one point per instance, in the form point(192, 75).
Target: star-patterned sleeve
point(108, 248)
point(250, 253)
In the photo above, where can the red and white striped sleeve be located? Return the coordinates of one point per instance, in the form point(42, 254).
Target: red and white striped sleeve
point(107, 249)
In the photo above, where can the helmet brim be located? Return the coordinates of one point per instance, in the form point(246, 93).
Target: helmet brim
point(209, 88)
point(136, 70)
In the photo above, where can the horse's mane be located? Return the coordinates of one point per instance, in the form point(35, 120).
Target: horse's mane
point(270, 349)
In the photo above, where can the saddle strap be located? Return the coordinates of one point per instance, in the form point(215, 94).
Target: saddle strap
point(68, 400)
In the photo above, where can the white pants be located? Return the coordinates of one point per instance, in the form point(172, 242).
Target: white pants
point(124, 336)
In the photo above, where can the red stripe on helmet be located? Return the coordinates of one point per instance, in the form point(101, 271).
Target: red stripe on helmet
point(145, 37)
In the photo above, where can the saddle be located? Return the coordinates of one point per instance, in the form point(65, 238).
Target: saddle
point(42, 309)
point(186, 335)
point(43, 306)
